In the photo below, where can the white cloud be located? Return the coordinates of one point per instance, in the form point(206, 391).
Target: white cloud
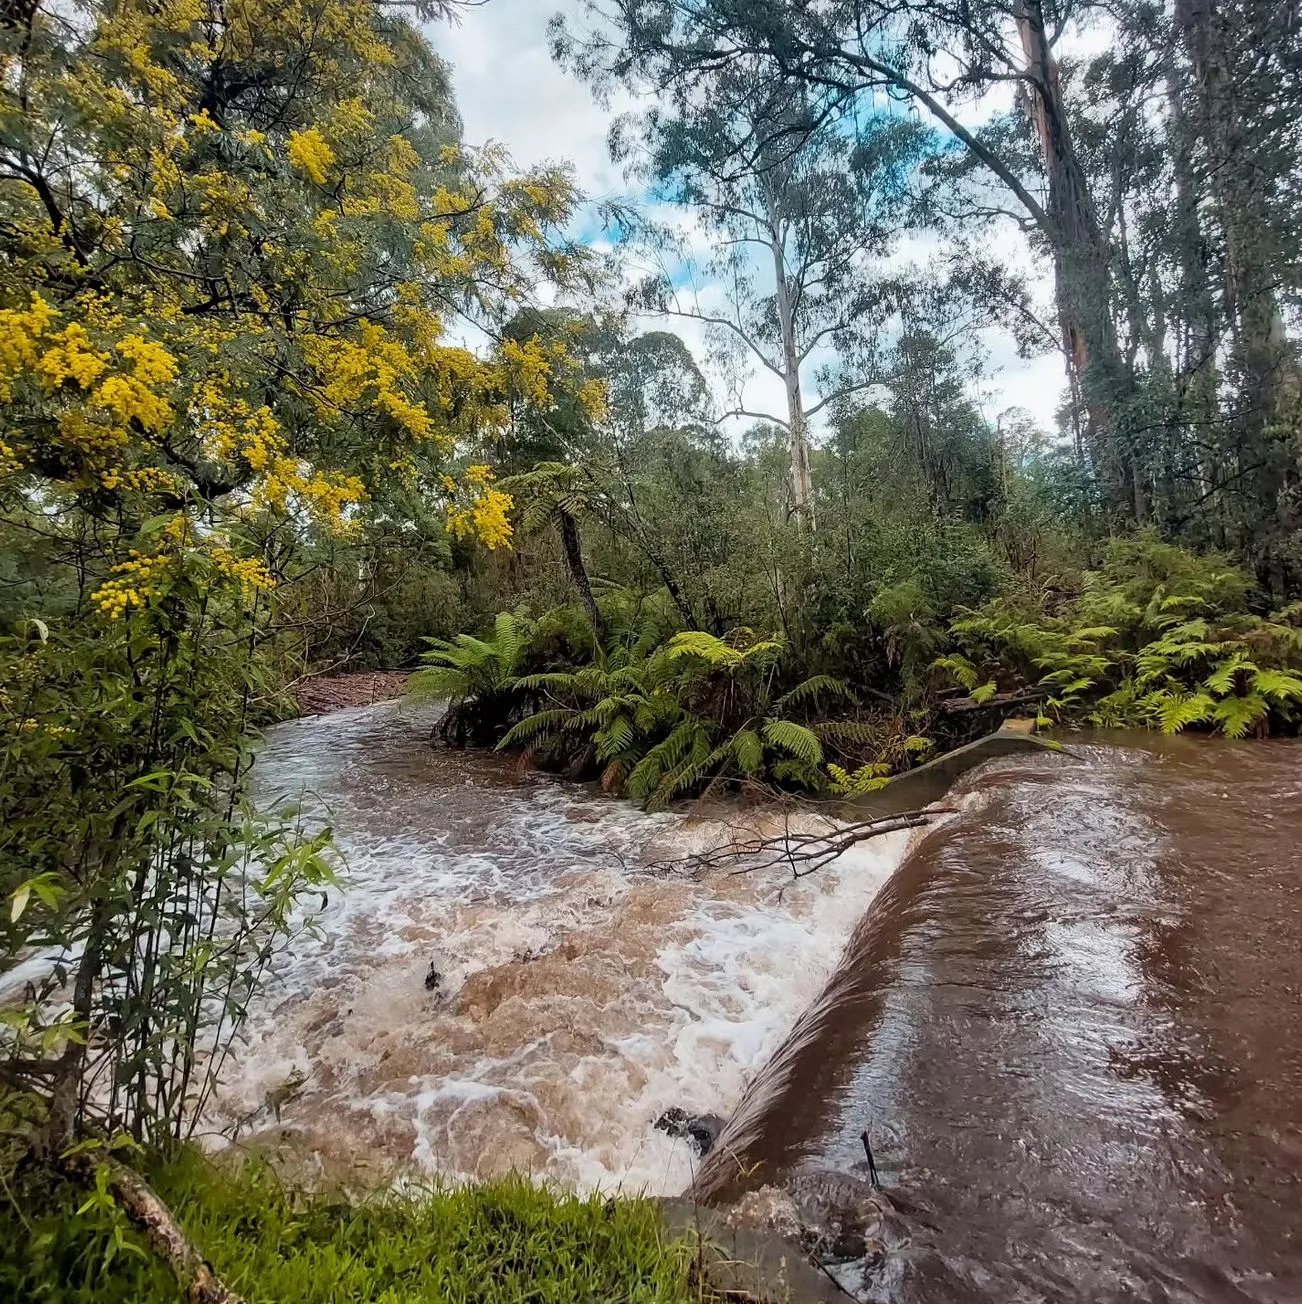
point(510, 91)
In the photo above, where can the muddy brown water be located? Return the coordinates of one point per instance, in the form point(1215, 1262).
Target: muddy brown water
point(1072, 1027)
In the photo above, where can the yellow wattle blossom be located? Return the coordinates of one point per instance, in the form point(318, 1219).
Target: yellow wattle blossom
point(247, 573)
point(309, 153)
point(20, 333)
point(71, 356)
point(131, 584)
point(484, 516)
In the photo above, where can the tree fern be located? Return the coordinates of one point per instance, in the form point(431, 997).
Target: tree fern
point(795, 739)
point(1176, 711)
point(1235, 716)
point(814, 687)
point(748, 751)
point(1279, 686)
point(866, 779)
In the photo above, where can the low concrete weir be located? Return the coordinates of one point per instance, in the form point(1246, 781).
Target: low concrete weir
point(1070, 1028)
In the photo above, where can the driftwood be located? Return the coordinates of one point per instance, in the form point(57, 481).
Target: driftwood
point(803, 853)
point(164, 1234)
point(952, 706)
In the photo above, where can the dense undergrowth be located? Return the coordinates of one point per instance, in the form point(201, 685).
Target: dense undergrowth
point(1155, 637)
point(502, 1242)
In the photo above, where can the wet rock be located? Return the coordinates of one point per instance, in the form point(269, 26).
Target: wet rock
point(433, 979)
point(699, 1130)
point(749, 1263)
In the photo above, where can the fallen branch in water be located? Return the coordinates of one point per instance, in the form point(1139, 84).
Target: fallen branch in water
point(804, 853)
point(193, 1272)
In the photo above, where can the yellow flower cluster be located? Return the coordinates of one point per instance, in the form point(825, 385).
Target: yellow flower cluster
point(132, 584)
point(485, 515)
point(71, 357)
point(143, 479)
point(247, 573)
point(89, 434)
point(309, 153)
point(20, 332)
point(11, 461)
point(329, 496)
point(373, 371)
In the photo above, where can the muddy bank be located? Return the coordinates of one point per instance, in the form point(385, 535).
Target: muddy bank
point(1072, 1028)
point(322, 693)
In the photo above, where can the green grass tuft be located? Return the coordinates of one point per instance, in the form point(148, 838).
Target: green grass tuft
point(506, 1241)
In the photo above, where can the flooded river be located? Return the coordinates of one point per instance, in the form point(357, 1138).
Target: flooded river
point(1069, 1020)
point(501, 985)
point(1072, 1029)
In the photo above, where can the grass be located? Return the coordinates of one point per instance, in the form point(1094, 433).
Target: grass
point(504, 1242)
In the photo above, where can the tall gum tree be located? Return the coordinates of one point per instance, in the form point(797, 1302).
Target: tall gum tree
point(800, 205)
point(940, 57)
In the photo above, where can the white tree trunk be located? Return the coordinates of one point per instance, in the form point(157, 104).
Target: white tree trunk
point(802, 489)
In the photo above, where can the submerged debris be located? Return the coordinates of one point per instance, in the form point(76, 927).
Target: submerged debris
point(699, 1130)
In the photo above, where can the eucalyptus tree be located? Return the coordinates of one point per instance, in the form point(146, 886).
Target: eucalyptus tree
point(941, 58)
point(798, 203)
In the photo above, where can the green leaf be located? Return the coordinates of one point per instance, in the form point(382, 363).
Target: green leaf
point(1236, 715)
point(1176, 711)
point(748, 751)
point(22, 895)
point(959, 667)
point(1278, 685)
point(817, 686)
point(985, 692)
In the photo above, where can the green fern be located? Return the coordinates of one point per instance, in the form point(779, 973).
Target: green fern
point(748, 752)
point(1235, 716)
point(795, 739)
point(814, 687)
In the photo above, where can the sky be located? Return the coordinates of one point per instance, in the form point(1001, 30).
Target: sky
point(509, 91)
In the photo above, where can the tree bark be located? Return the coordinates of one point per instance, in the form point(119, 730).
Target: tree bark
point(1082, 270)
point(1268, 372)
point(579, 572)
point(165, 1235)
point(801, 479)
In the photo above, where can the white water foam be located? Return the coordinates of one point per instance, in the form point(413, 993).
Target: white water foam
point(578, 997)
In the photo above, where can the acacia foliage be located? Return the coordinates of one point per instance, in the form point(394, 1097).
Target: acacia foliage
point(232, 239)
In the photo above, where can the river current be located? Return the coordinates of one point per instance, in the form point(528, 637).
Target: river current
point(500, 985)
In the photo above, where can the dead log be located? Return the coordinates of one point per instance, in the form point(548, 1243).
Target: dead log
point(165, 1236)
point(954, 705)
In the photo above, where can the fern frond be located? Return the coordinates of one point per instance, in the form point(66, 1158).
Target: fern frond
point(817, 686)
point(795, 739)
point(533, 727)
point(1277, 685)
point(962, 670)
point(1176, 711)
point(1236, 715)
point(748, 751)
point(436, 683)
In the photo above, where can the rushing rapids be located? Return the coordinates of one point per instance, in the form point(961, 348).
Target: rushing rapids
point(499, 986)
point(1071, 1027)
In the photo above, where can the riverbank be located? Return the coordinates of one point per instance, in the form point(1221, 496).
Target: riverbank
point(321, 694)
point(503, 1242)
